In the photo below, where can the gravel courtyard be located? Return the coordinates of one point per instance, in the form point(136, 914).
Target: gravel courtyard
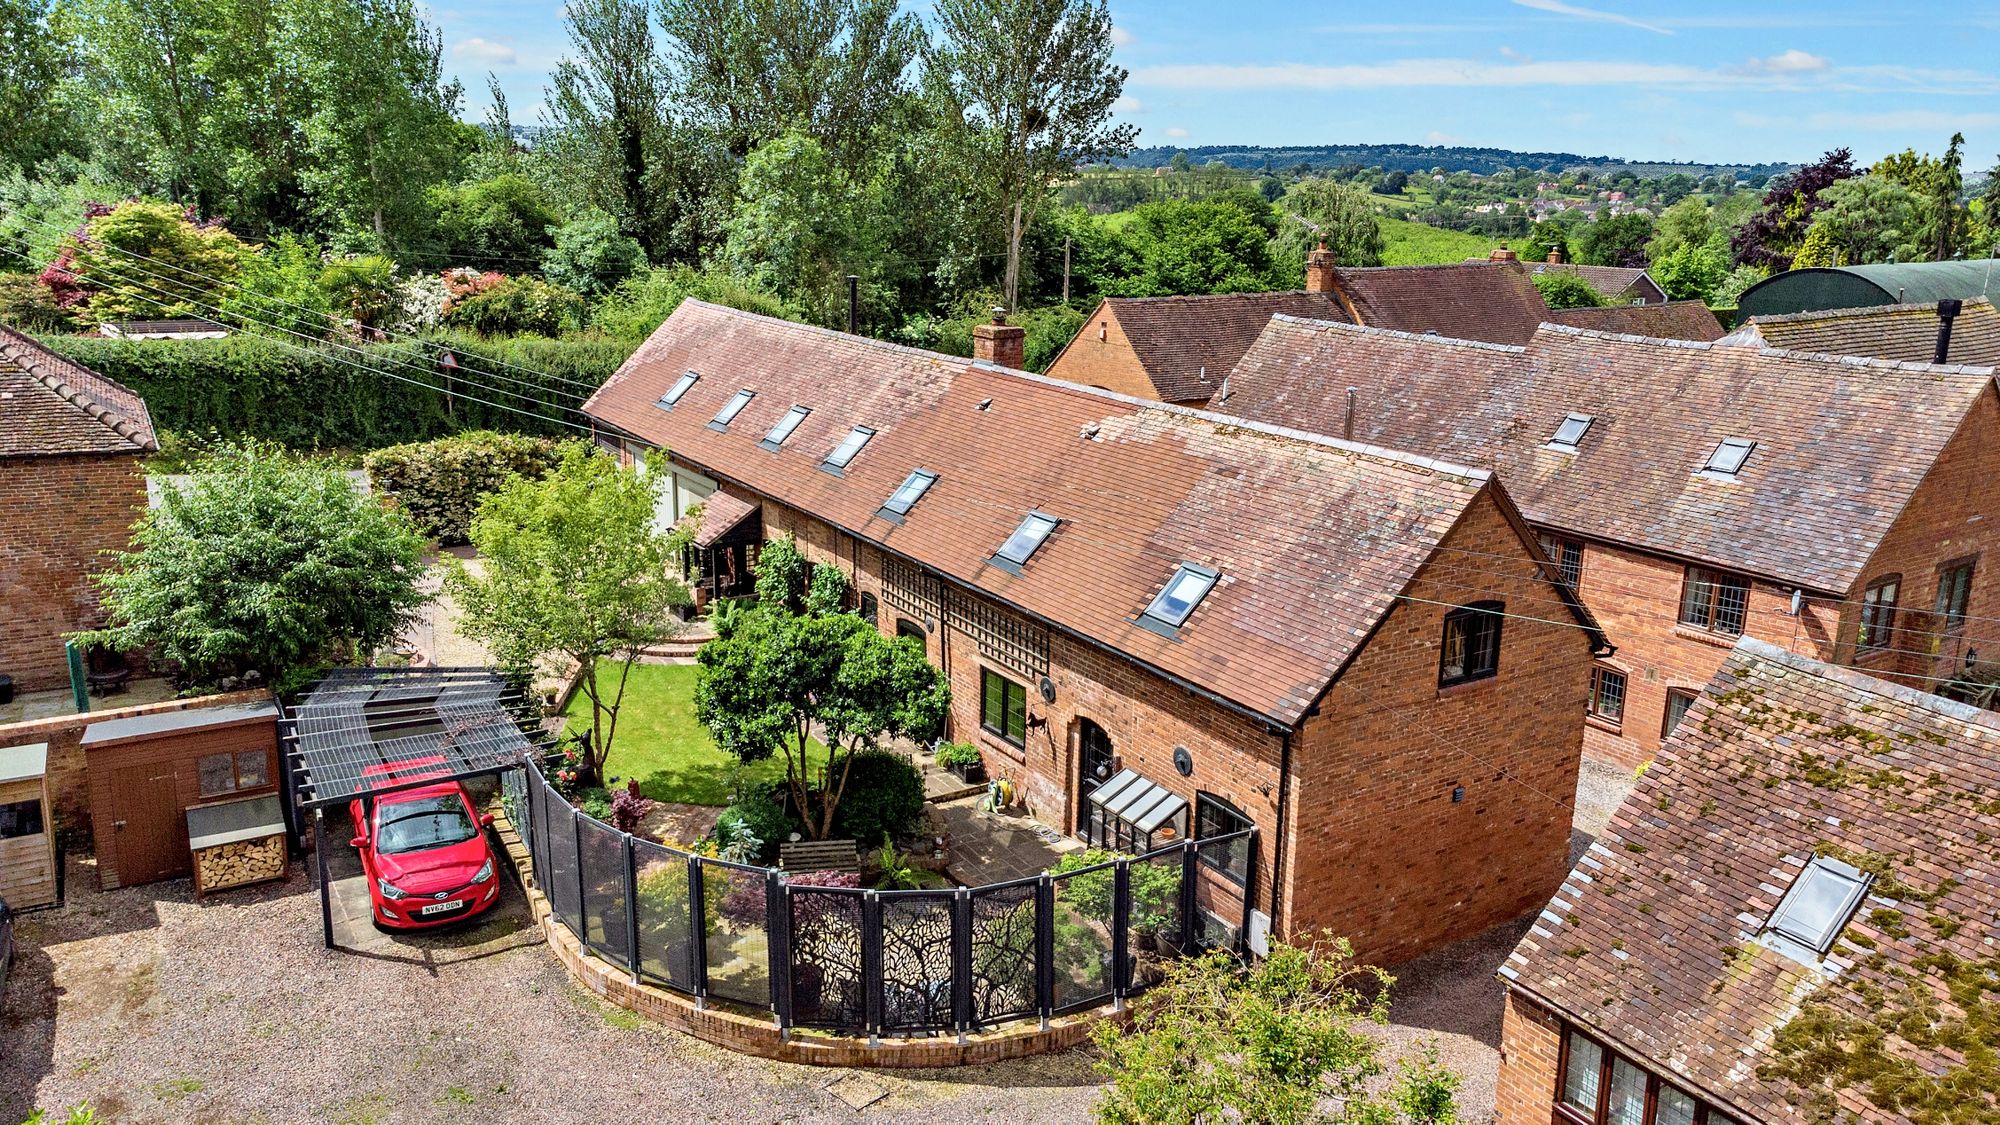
point(156, 1008)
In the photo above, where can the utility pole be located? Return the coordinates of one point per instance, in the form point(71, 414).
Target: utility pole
point(853, 298)
point(1065, 269)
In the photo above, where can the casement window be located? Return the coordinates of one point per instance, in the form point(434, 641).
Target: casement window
point(228, 773)
point(1878, 614)
point(1954, 593)
point(1213, 817)
point(1003, 707)
point(1597, 1087)
point(1715, 601)
point(1607, 695)
point(1567, 554)
point(1678, 702)
point(908, 630)
point(1471, 649)
point(871, 608)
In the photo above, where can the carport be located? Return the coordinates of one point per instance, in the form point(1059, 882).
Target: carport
point(345, 733)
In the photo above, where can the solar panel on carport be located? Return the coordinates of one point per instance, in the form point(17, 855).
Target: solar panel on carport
point(347, 734)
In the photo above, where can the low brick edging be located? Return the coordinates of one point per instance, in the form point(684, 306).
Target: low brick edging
point(725, 1028)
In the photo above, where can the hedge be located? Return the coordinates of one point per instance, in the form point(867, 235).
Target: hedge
point(440, 483)
point(324, 397)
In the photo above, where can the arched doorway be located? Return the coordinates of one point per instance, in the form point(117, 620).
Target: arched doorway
point(1094, 756)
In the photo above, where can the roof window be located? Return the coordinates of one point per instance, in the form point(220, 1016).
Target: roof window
point(675, 392)
point(1026, 540)
point(731, 409)
point(1176, 600)
point(1729, 456)
point(784, 428)
point(1818, 905)
point(849, 446)
point(906, 495)
point(1571, 431)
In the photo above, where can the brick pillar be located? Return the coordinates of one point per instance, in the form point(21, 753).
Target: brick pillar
point(1000, 343)
point(1319, 270)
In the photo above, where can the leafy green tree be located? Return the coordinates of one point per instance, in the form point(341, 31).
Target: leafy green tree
point(280, 290)
point(1562, 289)
point(1036, 87)
point(146, 259)
point(1820, 250)
point(1326, 211)
point(1731, 290)
point(642, 302)
point(802, 224)
point(27, 304)
point(1201, 247)
point(591, 255)
point(519, 304)
point(35, 122)
point(1686, 223)
point(503, 223)
point(1615, 240)
point(1690, 272)
point(263, 562)
point(1768, 237)
point(1544, 238)
point(573, 571)
point(1286, 1041)
point(781, 676)
point(1870, 219)
point(361, 289)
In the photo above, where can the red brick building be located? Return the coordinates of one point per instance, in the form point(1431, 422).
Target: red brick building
point(1178, 349)
point(1790, 920)
point(71, 444)
point(1264, 625)
point(1693, 492)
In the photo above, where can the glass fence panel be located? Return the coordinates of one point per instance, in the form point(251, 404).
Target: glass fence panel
point(601, 869)
point(1221, 868)
point(916, 960)
point(828, 984)
point(737, 934)
point(666, 922)
point(1156, 915)
point(564, 885)
point(1083, 947)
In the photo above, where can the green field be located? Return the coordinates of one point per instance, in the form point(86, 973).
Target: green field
point(659, 742)
point(1413, 244)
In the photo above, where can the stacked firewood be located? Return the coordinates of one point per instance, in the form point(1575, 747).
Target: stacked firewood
point(245, 861)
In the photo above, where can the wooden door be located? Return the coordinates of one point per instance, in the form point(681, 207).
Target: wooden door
point(151, 837)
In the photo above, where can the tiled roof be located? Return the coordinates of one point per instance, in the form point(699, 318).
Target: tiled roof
point(1841, 443)
point(720, 514)
point(1478, 300)
point(1652, 940)
point(1609, 281)
point(51, 406)
point(1672, 320)
point(1313, 537)
point(1187, 344)
point(1907, 332)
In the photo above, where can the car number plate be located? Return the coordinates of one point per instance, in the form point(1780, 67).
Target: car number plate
point(441, 907)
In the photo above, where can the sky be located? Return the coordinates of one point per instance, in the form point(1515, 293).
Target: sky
point(1697, 80)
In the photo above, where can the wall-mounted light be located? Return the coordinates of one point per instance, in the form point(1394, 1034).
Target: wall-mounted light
point(1183, 761)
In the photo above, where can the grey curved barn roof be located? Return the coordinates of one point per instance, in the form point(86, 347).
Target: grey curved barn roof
point(1895, 283)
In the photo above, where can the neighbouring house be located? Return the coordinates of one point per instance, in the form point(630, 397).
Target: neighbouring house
point(1818, 288)
point(1177, 349)
point(181, 328)
point(1947, 331)
point(1618, 285)
point(1693, 492)
point(1790, 920)
point(1254, 626)
point(72, 446)
point(1664, 320)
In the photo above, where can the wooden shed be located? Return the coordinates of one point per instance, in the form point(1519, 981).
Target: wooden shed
point(27, 832)
point(147, 771)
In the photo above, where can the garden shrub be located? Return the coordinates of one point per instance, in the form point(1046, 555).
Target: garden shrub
point(641, 302)
point(1156, 887)
point(884, 797)
point(441, 482)
point(518, 304)
point(761, 811)
point(26, 304)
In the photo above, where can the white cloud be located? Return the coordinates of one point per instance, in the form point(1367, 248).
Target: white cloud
point(484, 51)
point(1177, 132)
point(1120, 37)
point(1126, 103)
point(1793, 61)
point(1477, 73)
point(1557, 7)
point(1511, 55)
point(1434, 137)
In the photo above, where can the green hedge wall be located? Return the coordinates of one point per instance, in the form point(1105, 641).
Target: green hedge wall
point(324, 397)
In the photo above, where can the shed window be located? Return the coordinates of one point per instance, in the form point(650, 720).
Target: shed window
point(1818, 905)
point(1027, 539)
point(1571, 431)
point(1954, 593)
point(1471, 649)
point(909, 492)
point(21, 818)
point(1714, 601)
point(1607, 695)
point(1878, 614)
point(1177, 600)
point(227, 773)
point(1003, 707)
point(849, 447)
point(731, 409)
point(784, 428)
point(679, 388)
point(1729, 456)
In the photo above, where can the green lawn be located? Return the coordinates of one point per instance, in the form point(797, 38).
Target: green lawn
point(659, 742)
point(1406, 243)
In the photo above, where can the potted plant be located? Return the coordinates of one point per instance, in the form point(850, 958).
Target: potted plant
point(962, 758)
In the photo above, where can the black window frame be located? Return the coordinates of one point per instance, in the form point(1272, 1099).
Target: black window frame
point(1875, 631)
point(869, 607)
point(732, 410)
point(1600, 676)
point(1490, 617)
point(1567, 555)
point(1954, 598)
point(1607, 1059)
point(1713, 609)
point(1669, 722)
point(1009, 691)
point(907, 629)
point(1204, 803)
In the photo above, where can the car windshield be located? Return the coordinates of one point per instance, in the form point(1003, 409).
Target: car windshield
point(428, 822)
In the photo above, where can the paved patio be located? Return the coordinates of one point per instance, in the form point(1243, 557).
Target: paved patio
point(32, 705)
point(995, 847)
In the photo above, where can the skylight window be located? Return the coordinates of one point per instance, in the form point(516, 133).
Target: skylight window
point(1026, 540)
point(849, 446)
point(731, 409)
point(675, 392)
point(1818, 905)
point(1729, 456)
point(906, 496)
point(784, 428)
point(1572, 430)
point(1183, 592)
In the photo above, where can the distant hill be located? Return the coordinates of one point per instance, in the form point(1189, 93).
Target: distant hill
point(1422, 158)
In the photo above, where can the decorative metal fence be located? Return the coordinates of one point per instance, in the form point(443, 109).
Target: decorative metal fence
point(880, 962)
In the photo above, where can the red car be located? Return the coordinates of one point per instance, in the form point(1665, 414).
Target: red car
point(424, 850)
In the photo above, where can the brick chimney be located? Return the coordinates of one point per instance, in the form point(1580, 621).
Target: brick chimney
point(1000, 343)
point(1555, 255)
point(1502, 254)
point(1319, 270)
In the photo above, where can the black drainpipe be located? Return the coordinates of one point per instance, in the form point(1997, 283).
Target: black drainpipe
point(1948, 310)
point(1278, 850)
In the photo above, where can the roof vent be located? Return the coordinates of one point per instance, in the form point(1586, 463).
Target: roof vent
point(984, 404)
point(1090, 431)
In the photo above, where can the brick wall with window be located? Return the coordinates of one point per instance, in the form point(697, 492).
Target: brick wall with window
point(1553, 1072)
point(61, 514)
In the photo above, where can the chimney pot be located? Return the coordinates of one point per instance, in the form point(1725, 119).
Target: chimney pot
point(1319, 270)
point(1000, 343)
point(1555, 255)
point(1502, 254)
